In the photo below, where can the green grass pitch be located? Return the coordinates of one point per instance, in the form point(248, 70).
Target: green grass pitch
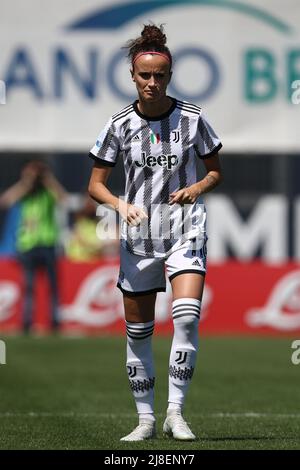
point(73, 393)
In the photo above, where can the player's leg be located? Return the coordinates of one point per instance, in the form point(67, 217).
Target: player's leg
point(139, 316)
point(140, 279)
point(186, 269)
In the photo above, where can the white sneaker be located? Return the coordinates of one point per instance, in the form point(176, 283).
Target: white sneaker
point(176, 427)
point(145, 430)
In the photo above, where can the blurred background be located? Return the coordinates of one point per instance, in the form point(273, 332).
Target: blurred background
point(63, 74)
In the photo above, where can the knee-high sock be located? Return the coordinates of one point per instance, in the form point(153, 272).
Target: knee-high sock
point(186, 314)
point(140, 367)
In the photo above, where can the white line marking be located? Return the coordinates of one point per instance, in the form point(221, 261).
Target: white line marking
point(74, 414)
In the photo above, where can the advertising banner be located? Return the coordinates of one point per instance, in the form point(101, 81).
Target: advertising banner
point(239, 298)
point(63, 71)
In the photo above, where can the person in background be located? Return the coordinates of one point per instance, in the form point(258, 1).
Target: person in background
point(37, 193)
point(85, 243)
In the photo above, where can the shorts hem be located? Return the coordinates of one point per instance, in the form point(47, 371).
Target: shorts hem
point(184, 271)
point(136, 294)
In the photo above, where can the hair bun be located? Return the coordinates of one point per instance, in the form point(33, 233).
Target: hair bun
point(151, 34)
point(152, 38)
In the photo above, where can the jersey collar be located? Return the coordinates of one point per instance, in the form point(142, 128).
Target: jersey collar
point(156, 118)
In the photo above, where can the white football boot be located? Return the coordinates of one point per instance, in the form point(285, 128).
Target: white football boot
point(145, 430)
point(176, 427)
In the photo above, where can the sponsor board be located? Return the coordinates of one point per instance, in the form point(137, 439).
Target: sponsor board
point(65, 73)
point(239, 298)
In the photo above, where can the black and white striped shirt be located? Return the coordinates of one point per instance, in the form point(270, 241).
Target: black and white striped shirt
point(159, 158)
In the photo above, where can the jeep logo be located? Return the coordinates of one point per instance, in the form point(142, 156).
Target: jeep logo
point(166, 161)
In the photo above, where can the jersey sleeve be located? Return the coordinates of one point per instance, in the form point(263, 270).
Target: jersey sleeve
point(107, 147)
point(207, 142)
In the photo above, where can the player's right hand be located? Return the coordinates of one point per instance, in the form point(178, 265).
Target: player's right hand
point(132, 214)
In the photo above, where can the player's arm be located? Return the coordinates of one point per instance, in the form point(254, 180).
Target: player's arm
point(97, 186)
point(212, 179)
point(99, 191)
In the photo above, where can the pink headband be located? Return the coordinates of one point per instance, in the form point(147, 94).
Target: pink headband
point(151, 52)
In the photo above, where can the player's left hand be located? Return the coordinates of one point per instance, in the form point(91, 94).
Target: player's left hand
point(184, 196)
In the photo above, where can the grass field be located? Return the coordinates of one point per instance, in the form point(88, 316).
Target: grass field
point(63, 393)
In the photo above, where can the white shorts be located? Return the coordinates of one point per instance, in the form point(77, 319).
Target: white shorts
point(140, 275)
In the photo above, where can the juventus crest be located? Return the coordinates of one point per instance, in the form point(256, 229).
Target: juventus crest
point(182, 356)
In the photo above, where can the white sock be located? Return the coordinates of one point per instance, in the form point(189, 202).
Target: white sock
point(174, 408)
point(140, 367)
point(147, 417)
point(186, 314)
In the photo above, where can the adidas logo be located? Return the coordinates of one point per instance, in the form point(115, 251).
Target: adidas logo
point(196, 263)
point(136, 138)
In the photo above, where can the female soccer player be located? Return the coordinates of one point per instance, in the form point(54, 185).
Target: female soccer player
point(158, 139)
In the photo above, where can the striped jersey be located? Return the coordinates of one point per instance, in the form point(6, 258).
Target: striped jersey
point(159, 156)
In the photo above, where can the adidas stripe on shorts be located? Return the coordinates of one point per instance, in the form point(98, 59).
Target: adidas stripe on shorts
point(143, 275)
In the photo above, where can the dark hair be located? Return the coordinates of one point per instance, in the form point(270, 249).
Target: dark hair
point(152, 38)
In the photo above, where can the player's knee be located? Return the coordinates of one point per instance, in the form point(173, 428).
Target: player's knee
point(186, 328)
point(186, 315)
point(187, 321)
point(186, 312)
point(139, 339)
point(140, 309)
